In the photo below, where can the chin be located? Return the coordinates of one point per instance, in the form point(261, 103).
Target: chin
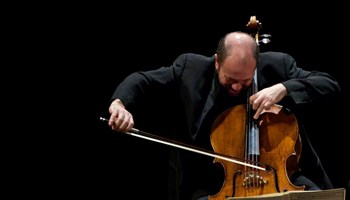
point(233, 93)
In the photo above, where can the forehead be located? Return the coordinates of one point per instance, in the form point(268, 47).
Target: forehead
point(238, 68)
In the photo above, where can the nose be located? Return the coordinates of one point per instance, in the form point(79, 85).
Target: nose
point(236, 86)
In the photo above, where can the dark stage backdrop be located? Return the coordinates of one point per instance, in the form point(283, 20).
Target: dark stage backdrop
point(113, 41)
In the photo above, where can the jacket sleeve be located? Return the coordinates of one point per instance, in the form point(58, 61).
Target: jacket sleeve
point(308, 86)
point(142, 84)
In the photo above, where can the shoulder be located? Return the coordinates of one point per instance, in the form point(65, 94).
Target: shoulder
point(194, 61)
point(275, 55)
point(195, 57)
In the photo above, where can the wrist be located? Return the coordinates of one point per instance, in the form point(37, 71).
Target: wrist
point(116, 103)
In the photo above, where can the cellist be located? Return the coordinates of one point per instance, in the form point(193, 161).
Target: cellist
point(196, 89)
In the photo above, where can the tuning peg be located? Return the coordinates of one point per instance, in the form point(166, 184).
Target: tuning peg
point(265, 38)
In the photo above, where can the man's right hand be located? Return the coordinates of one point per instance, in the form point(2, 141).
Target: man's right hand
point(120, 120)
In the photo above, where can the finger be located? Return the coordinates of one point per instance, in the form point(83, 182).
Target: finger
point(256, 103)
point(126, 123)
point(119, 120)
point(267, 105)
point(130, 124)
point(252, 99)
point(126, 126)
point(258, 112)
point(261, 108)
point(112, 118)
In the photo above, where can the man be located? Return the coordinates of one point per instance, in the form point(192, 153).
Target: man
point(201, 88)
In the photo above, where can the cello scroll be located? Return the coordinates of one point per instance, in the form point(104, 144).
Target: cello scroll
point(254, 27)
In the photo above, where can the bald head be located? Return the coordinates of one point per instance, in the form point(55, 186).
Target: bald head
point(237, 43)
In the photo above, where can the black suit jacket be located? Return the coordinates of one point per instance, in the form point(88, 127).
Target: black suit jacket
point(191, 85)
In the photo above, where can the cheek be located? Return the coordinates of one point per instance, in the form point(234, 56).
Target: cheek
point(248, 84)
point(223, 82)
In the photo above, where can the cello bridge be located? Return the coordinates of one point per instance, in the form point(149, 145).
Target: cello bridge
point(253, 179)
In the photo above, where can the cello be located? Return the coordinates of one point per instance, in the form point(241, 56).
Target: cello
point(272, 140)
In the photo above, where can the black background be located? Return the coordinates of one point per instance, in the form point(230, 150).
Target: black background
point(100, 44)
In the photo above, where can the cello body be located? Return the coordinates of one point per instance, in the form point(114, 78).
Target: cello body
point(279, 145)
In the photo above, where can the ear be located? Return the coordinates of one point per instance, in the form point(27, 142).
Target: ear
point(216, 62)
